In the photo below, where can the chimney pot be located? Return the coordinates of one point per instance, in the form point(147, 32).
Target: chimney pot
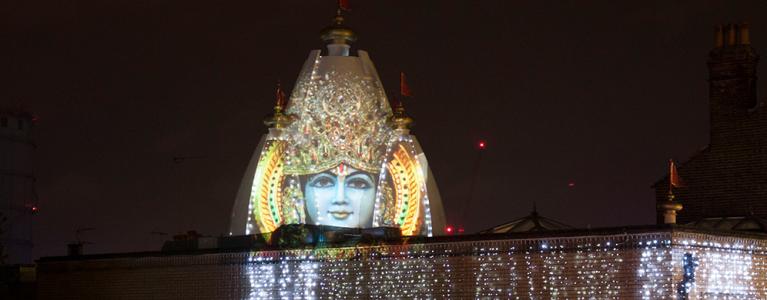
point(745, 38)
point(719, 36)
point(731, 35)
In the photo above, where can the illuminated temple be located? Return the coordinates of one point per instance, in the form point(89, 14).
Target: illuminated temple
point(338, 203)
point(336, 154)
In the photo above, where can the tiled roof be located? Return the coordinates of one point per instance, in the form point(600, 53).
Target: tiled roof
point(530, 223)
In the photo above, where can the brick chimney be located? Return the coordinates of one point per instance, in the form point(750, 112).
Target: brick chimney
point(732, 83)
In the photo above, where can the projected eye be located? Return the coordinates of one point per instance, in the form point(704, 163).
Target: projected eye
point(359, 182)
point(322, 181)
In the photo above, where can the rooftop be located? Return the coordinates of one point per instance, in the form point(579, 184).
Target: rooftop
point(330, 237)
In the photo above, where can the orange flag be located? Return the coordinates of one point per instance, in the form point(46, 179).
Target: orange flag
point(344, 5)
point(673, 176)
point(404, 89)
point(280, 96)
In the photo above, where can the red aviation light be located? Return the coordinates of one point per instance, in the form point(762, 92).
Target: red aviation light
point(449, 230)
point(481, 145)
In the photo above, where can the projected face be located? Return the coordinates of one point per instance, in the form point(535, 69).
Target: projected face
point(342, 197)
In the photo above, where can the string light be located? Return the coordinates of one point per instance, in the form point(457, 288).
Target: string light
point(647, 265)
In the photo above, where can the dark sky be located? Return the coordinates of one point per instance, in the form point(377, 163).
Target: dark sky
point(599, 93)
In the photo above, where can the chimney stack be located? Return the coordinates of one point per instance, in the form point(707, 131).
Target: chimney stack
point(732, 83)
point(75, 249)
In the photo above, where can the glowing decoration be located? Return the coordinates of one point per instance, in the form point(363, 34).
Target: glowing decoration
point(405, 174)
point(618, 263)
point(339, 156)
point(266, 198)
point(650, 265)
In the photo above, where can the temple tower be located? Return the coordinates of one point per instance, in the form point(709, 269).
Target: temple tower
point(336, 154)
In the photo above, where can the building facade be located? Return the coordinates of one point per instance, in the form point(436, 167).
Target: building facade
point(18, 199)
point(728, 178)
point(338, 155)
point(660, 262)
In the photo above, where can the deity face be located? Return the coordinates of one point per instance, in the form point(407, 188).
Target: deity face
point(342, 197)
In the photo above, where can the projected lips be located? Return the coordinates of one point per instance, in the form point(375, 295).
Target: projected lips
point(340, 215)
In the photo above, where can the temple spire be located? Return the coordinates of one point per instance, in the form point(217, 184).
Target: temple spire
point(338, 36)
point(401, 120)
point(278, 119)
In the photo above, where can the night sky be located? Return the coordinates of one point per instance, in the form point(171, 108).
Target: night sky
point(596, 93)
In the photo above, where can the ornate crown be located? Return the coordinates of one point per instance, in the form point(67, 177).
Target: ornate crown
point(337, 117)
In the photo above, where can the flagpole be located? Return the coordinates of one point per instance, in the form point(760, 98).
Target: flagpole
point(465, 205)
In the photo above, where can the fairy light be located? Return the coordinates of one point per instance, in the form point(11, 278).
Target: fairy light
point(644, 265)
point(654, 265)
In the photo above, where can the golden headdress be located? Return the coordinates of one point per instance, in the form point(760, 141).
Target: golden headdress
point(338, 118)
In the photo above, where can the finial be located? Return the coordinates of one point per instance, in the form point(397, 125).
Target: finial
point(278, 119)
point(671, 207)
point(280, 98)
point(400, 117)
point(338, 36)
point(669, 210)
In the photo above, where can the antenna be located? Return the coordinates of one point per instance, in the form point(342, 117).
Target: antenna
point(76, 248)
point(480, 147)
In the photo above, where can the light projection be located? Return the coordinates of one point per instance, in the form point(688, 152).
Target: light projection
point(336, 154)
